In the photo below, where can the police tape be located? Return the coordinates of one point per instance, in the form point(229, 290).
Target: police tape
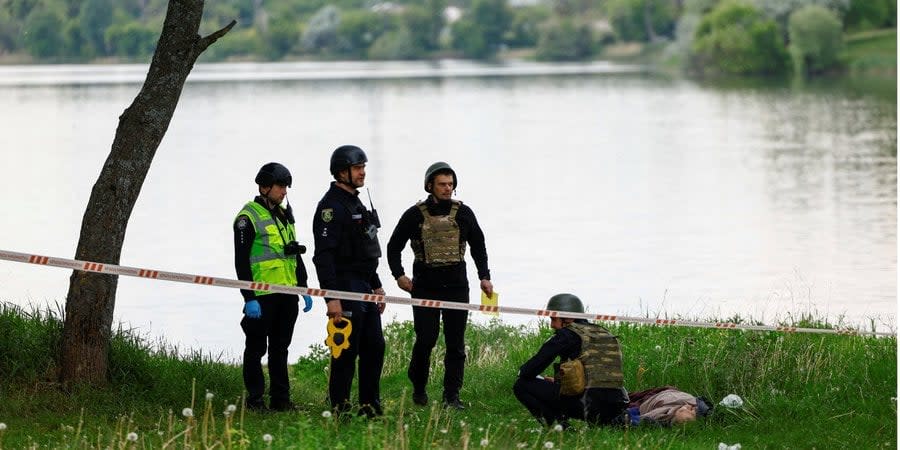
point(88, 266)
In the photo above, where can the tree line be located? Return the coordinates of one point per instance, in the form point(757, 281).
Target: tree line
point(720, 36)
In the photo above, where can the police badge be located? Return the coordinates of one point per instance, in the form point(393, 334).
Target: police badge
point(327, 215)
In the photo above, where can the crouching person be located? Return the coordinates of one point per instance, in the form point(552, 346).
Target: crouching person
point(587, 382)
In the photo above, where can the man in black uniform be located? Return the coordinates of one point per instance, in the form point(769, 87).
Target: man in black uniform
point(265, 250)
point(438, 229)
point(603, 398)
point(346, 259)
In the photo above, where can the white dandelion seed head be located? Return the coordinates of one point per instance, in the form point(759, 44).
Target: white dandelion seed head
point(658, 347)
point(326, 414)
point(485, 442)
point(267, 437)
point(209, 395)
point(2, 426)
point(443, 431)
point(480, 429)
point(231, 408)
point(548, 444)
point(405, 426)
point(132, 436)
point(187, 412)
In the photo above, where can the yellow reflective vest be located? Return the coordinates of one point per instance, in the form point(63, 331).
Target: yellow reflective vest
point(268, 263)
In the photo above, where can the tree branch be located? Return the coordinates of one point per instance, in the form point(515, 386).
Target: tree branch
point(208, 40)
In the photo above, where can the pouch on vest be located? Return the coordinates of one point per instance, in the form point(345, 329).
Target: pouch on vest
point(571, 378)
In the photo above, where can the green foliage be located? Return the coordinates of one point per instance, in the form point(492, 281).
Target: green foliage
point(9, 32)
point(43, 35)
point(321, 33)
point(869, 14)
point(564, 41)
point(424, 25)
point(95, 16)
point(816, 39)
point(131, 40)
point(396, 44)
point(629, 18)
point(525, 29)
point(281, 36)
point(734, 38)
point(359, 29)
point(468, 39)
point(480, 32)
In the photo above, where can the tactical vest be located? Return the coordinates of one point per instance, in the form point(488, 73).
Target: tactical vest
point(440, 244)
point(268, 263)
point(600, 355)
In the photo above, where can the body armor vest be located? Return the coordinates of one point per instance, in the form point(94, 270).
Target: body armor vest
point(441, 244)
point(600, 355)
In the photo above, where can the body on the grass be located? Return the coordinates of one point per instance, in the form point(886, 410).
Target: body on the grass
point(266, 250)
point(346, 259)
point(439, 229)
point(588, 379)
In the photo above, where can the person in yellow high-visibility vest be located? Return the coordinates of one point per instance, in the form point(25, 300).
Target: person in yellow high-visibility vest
point(266, 250)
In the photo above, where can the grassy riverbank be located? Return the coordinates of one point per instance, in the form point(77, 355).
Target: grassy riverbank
point(800, 391)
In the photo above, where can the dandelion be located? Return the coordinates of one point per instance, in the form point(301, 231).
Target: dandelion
point(732, 401)
point(480, 429)
point(485, 442)
point(548, 444)
point(132, 437)
point(405, 427)
point(443, 431)
point(326, 414)
point(267, 438)
point(209, 395)
point(2, 426)
point(557, 427)
point(658, 348)
point(462, 423)
point(187, 412)
point(231, 408)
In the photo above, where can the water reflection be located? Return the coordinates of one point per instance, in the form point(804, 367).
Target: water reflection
point(640, 194)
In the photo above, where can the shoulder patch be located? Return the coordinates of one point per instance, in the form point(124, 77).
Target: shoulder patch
point(243, 222)
point(327, 215)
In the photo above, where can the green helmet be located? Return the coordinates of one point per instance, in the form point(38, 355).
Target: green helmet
point(565, 302)
point(437, 169)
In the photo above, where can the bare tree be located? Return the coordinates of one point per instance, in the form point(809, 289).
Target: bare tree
point(91, 298)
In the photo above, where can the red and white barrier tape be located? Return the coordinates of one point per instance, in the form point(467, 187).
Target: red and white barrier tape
point(88, 266)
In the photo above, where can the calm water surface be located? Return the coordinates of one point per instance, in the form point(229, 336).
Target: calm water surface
point(640, 194)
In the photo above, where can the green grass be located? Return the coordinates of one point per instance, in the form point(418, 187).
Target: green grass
point(872, 52)
point(800, 391)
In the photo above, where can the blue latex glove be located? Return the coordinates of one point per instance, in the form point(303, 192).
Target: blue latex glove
point(252, 309)
point(308, 300)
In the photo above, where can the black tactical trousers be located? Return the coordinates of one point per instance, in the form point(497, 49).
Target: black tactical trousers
point(427, 323)
point(366, 343)
point(271, 333)
point(597, 406)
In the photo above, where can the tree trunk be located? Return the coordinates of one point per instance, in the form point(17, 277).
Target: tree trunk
point(91, 298)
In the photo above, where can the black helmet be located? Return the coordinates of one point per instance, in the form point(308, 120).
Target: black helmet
point(565, 302)
point(273, 173)
point(346, 156)
point(438, 168)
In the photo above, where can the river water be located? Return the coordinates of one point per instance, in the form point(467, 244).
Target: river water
point(643, 195)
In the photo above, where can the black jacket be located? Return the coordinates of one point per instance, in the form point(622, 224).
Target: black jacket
point(346, 247)
point(410, 228)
